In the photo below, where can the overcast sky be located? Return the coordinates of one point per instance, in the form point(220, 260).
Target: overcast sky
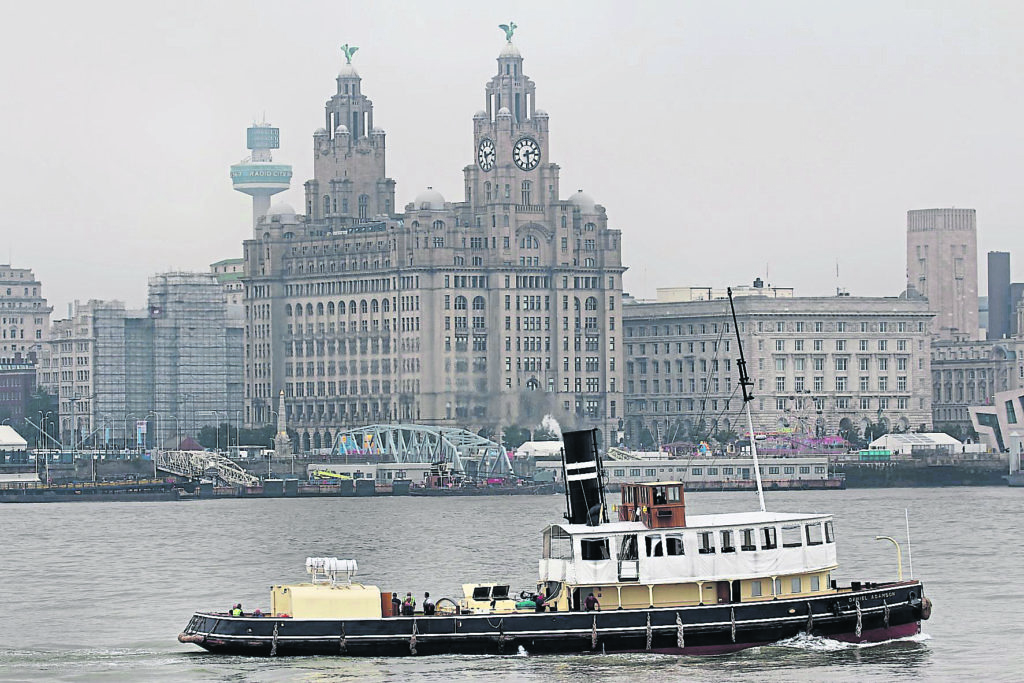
point(725, 139)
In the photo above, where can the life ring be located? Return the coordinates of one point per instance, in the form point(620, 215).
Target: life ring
point(926, 608)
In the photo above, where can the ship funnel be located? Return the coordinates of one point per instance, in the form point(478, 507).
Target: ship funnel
point(584, 482)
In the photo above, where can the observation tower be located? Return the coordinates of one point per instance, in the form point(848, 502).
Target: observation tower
point(258, 176)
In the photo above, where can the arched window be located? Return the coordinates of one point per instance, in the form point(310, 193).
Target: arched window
point(364, 206)
point(479, 304)
point(298, 310)
point(330, 308)
point(591, 303)
point(386, 306)
point(362, 306)
point(460, 260)
point(415, 225)
point(526, 191)
point(504, 221)
point(352, 307)
point(565, 222)
point(327, 205)
point(575, 303)
point(319, 309)
point(374, 306)
point(309, 309)
point(288, 310)
point(438, 225)
point(460, 303)
point(487, 189)
point(588, 263)
point(590, 227)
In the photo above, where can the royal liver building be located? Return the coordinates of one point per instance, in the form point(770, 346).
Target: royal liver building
point(492, 311)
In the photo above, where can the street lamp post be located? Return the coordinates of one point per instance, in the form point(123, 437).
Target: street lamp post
point(126, 416)
point(177, 432)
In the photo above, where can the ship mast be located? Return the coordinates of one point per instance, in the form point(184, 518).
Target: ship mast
point(745, 385)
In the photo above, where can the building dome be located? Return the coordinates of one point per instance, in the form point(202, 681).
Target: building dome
point(341, 130)
point(429, 200)
point(320, 131)
point(540, 113)
point(348, 71)
point(377, 131)
point(584, 202)
point(480, 115)
point(505, 112)
point(509, 50)
point(284, 212)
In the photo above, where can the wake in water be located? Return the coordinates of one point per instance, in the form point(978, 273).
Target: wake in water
point(811, 643)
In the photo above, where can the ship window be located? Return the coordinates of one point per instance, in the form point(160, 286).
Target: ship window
point(748, 539)
point(768, 539)
point(830, 536)
point(791, 536)
point(655, 548)
point(595, 549)
point(727, 546)
point(707, 543)
point(815, 583)
point(674, 544)
point(557, 544)
point(755, 589)
point(814, 534)
point(778, 587)
point(795, 585)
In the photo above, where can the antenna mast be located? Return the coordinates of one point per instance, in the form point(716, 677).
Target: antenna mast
point(746, 384)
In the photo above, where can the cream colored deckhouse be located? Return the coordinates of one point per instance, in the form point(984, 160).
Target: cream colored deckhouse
point(486, 312)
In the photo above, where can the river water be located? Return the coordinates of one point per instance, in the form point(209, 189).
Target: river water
point(99, 591)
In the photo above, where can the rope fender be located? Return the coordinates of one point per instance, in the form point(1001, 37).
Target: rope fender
point(860, 619)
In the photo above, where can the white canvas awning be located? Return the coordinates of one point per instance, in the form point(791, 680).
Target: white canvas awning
point(10, 440)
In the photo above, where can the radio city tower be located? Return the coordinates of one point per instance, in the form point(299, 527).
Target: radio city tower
point(258, 176)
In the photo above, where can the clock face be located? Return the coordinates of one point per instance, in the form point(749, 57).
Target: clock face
point(526, 154)
point(485, 154)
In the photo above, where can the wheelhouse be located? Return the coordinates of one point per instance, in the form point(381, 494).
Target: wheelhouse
point(655, 557)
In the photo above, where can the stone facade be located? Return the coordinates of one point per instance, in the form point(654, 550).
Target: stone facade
point(820, 365)
point(24, 314)
point(966, 374)
point(942, 265)
point(491, 311)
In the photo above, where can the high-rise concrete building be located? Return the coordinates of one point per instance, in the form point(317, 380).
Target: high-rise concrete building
point(176, 365)
point(999, 311)
point(491, 311)
point(821, 366)
point(942, 265)
point(24, 314)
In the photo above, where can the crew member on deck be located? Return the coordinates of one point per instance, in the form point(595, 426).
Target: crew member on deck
point(428, 606)
point(538, 600)
point(236, 611)
point(591, 604)
point(409, 606)
point(396, 604)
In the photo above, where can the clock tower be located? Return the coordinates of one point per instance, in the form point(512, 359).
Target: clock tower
point(511, 173)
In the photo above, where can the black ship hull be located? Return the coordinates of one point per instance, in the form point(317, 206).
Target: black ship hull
point(875, 613)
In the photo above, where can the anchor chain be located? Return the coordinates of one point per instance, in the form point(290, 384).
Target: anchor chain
point(649, 634)
point(680, 642)
point(412, 639)
point(732, 615)
point(342, 645)
point(593, 634)
point(810, 618)
point(860, 619)
point(273, 644)
point(885, 613)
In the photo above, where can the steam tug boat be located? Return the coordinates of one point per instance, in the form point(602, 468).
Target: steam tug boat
point(664, 583)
